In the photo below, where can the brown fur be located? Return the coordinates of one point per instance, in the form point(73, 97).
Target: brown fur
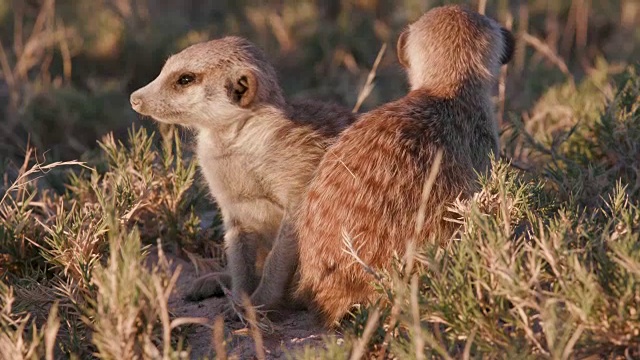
point(369, 184)
point(256, 151)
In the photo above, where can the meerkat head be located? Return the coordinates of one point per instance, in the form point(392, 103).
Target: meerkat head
point(210, 83)
point(450, 47)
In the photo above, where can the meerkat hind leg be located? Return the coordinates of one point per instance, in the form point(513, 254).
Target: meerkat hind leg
point(240, 275)
point(242, 253)
point(208, 285)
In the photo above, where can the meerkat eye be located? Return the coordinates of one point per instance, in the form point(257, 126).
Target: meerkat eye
point(185, 79)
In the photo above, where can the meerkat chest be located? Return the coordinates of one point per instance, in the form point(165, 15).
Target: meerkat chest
point(228, 175)
point(234, 180)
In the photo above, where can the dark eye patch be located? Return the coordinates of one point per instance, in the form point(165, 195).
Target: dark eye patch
point(186, 79)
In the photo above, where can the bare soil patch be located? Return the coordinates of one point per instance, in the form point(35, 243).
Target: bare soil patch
point(291, 330)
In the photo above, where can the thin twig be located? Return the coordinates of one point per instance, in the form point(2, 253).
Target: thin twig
point(393, 319)
point(361, 346)
point(255, 330)
point(177, 322)
point(350, 250)
point(30, 45)
point(418, 338)
point(572, 342)
point(51, 331)
point(426, 194)
point(466, 354)
point(18, 26)
point(482, 6)
point(548, 53)
point(280, 31)
point(65, 52)
point(218, 338)
point(569, 30)
point(9, 78)
point(368, 86)
point(523, 27)
point(163, 298)
point(22, 179)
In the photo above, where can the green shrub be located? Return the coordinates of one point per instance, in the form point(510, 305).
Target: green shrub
point(83, 250)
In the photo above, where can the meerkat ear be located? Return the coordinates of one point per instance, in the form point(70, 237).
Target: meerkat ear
point(400, 48)
point(509, 45)
point(243, 88)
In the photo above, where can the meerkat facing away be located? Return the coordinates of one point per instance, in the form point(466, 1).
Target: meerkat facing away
point(369, 184)
point(256, 151)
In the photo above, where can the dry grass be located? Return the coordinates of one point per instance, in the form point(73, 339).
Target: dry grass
point(83, 250)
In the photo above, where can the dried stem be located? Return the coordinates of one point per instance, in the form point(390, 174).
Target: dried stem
point(368, 86)
point(361, 346)
point(418, 338)
point(218, 338)
point(548, 53)
point(482, 6)
point(255, 330)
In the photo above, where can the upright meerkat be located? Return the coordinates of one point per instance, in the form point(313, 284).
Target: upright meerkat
point(369, 184)
point(257, 153)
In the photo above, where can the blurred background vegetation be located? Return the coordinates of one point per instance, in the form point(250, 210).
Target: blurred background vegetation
point(67, 66)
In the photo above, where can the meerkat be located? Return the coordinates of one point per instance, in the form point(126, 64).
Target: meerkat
point(369, 184)
point(256, 151)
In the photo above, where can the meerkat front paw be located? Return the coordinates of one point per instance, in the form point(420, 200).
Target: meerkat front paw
point(236, 308)
point(232, 312)
point(206, 286)
point(264, 299)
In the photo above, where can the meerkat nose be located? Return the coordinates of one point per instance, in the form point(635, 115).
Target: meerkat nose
point(135, 100)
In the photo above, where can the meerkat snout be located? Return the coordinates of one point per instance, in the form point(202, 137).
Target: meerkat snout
point(140, 102)
point(135, 101)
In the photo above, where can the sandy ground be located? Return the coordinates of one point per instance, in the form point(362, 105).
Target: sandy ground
point(291, 331)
